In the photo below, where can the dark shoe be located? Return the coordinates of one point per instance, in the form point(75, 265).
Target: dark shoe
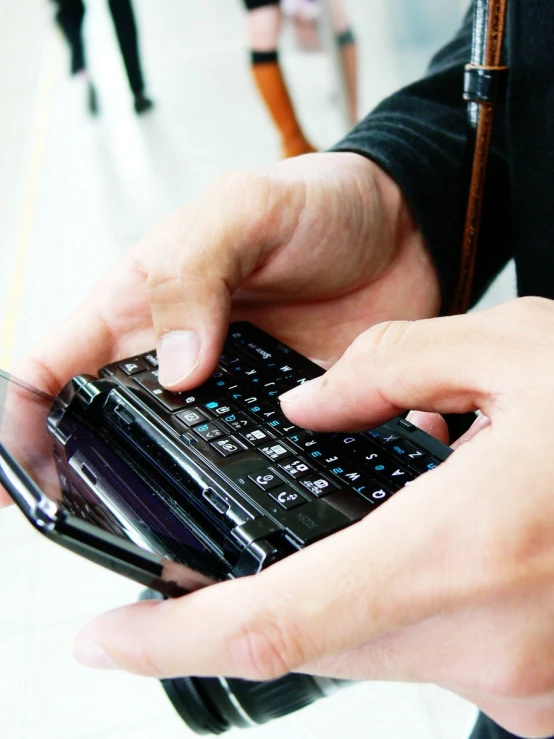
point(92, 99)
point(142, 104)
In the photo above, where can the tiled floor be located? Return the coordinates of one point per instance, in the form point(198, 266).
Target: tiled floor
point(74, 193)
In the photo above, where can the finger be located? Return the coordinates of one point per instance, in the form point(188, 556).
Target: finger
point(112, 323)
point(201, 255)
point(531, 717)
point(396, 656)
point(287, 616)
point(432, 423)
point(440, 365)
point(421, 654)
point(23, 415)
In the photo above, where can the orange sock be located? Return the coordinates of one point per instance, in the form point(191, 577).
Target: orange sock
point(272, 88)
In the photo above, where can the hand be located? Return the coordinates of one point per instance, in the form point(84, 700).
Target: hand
point(450, 581)
point(314, 250)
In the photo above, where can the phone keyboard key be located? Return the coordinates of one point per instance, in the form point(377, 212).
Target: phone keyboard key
point(297, 468)
point(257, 436)
point(377, 494)
point(192, 416)
point(134, 366)
point(227, 446)
point(406, 451)
point(266, 479)
point(208, 431)
point(170, 401)
point(287, 498)
point(237, 421)
point(426, 464)
point(275, 452)
point(318, 485)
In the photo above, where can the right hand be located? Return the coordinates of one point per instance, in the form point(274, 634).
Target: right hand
point(314, 250)
point(449, 582)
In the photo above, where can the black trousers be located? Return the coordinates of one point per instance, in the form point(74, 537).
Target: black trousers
point(70, 15)
point(487, 729)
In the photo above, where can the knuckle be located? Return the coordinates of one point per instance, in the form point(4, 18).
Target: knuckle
point(265, 648)
point(535, 306)
point(236, 178)
point(516, 554)
point(163, 286)
point(264, 655)
point(198, 244)
point(170, 287)
point(165, 271)
point(524, 673)
point(379, 346)
point(380, 340)
point(243, 191)
point(538, 323)
point(148, 661)
point(526, 314)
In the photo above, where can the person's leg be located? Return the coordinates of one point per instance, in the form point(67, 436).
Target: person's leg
point(485, 728)
point(264, 19)
point(69, 17)
point(126, 30)
point(348, 56)
point(304, 14)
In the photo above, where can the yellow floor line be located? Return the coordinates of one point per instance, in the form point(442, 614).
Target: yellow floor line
point(30, 198)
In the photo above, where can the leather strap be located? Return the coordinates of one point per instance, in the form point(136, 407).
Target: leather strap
point(485, 84)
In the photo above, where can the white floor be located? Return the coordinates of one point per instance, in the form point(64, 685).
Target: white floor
point(74, 193)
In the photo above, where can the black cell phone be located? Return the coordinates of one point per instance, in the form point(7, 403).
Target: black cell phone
point(180, 490)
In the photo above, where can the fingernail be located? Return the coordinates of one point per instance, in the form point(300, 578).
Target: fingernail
point(90, 654)
point(298, 392)
point(178, 354)
point(416, 417)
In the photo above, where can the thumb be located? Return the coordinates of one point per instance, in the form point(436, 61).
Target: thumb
point(198, 258)
point(440, 364)
point(320, 601)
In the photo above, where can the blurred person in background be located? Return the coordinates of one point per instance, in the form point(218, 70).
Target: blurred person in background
point(305, 14)
point(264, 25)
point(70, 15)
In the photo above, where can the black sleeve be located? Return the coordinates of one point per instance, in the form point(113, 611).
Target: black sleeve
point(418, 136)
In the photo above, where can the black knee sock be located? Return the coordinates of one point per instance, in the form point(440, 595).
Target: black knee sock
point(125, 27)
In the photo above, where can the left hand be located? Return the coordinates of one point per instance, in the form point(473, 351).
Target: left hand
point(451, 581)
point(313, 249)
